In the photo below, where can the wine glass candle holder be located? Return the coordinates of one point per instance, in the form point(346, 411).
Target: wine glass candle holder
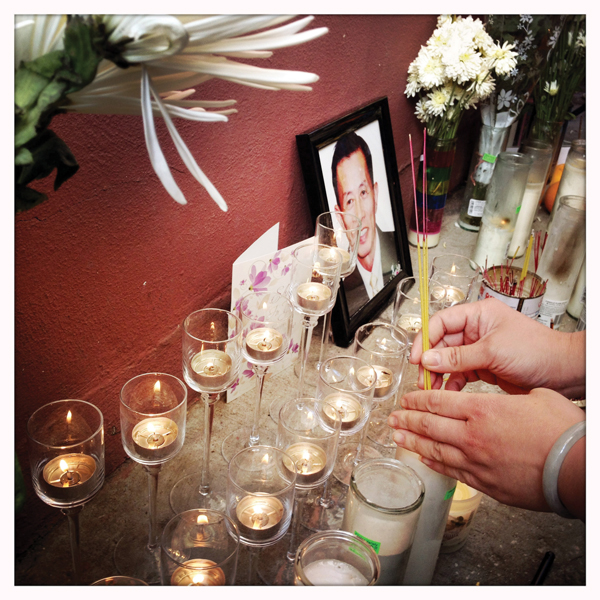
point(200, 547)
point(153, 416)
point(66, 455)
point(457, 275)
point(267, 324)
point(211, 357)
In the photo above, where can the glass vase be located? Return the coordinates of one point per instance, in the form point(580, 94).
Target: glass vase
point(501, 208)
point(492, 141)
point(439, 158)
point(572, 180)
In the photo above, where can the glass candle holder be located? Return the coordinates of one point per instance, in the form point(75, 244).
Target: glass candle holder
point(562, 258)
point(541, 152)
point(577, 297)
point(200, 548)
point(501, 208)
point(572, 180)
point(260, 494)
point(119, 580)
point(465, 503)
point(383, 508)
point(459, 275)
point(335, 558)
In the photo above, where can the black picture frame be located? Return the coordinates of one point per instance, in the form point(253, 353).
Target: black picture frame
point(371, 122)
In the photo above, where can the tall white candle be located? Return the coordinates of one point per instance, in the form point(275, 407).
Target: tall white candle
point(492, 243)
point(333, 572)
point(529, 206)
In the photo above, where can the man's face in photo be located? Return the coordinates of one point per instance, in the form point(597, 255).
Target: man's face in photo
point(358, 196)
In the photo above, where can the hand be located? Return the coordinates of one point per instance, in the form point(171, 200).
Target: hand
point(490, 341)
point(494, 442)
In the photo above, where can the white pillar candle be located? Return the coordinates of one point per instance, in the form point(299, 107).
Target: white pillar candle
point(529, 206)
point(333, 572)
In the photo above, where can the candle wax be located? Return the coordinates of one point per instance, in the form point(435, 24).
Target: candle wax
point(384, 379)
point(264, 343)
point(152, 437)
point(350, 408)
point(259, 516)
point(411, 323)
point(328, 255)
point(309, 459)
point(313, 296)
point(198, 572)
point(75, 470)
point(333, 572)
point(212, 368)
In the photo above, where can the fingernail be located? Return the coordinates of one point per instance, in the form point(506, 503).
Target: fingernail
point(392, 421)
point(398, 437)
point(431, 358)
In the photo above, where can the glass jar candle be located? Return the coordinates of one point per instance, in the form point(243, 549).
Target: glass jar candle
point(572, 181)
point(562, 258)
point(383, 507)
point(502, 208)
point(576, 302)
point(465, 503)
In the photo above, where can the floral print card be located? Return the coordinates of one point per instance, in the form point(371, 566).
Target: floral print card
point(267, 271)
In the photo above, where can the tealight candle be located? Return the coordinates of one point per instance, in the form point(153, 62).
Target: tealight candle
point(264, 343)
point(212, 368)
point(198, 572)
point(309, 460)
point(329, 256)
point(153, 436)
point(313, 296)
point(411, 324)
point(384, 382)
point(68, 476)
point(452, 295)
point(350, 408)
point(259, 516)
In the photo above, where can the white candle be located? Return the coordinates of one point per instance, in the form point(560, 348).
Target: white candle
point(384, 379)
point(198, 572)
point(350, 408)
point(313, 296)
point(309, 461)
point(529, 205)
point(329, 571)
point(259, 516)
point(492, 243)
point(330, 258)
point(212, 368)
point(411, 323)
point(69, 476)
point(153, 436)
point(264, 344)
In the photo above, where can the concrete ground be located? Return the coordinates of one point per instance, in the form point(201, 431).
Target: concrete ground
point(505, 545)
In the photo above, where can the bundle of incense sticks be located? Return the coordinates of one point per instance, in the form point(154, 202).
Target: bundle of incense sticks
point(502, 278)
point(422, 252)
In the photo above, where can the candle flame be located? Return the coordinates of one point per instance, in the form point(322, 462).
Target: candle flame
point(69, 417)
point(264, 306)
point(212, 326)
point(157, 387)
point(265, 459)
point(151, 428)
point(63, 464)
point(202, 519)
point(453, 269)
point(198, 578)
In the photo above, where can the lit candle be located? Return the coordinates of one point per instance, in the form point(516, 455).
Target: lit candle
point(259, 516)
point(198, 572)
point(384, 379)
point(309, 460)
point(68, 476)
point(264, 343)
point(350, 408)
point(153, 436)
point(411, 324)
point(453, 295)
point(313, 296)
point(212, 368)
point(329, 571)
point(329, 256)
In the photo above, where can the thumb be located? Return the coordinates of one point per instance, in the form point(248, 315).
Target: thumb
point(454, 359)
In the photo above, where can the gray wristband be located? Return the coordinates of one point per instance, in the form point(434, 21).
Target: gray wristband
point(553, 464)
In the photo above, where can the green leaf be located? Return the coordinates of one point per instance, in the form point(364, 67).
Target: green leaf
point(28, 86)
point(48, 64)
point(26, 198)
point(79, 47)
point(24, 157)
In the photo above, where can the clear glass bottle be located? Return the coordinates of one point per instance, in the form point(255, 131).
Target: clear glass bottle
point(492, 140)
point(541, 152)
point(572, 181)
point(576, 302)
point(502, 206)
point(562, 258)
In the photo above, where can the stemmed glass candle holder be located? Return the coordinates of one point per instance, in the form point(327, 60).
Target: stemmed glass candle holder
point(454, 279)
point(260, 496)
point(200, 548)
point(342, 231)
point(267, 324)
point(346, 386)
point(336, 558)
point(315, 279)
point(311, 441)
point(384, 348)
point(153, 414)
point(66, 454)
point(212, 351)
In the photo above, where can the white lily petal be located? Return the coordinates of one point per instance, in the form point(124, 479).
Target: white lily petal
point(157, 158)
point(186, 155)
point(208, 30)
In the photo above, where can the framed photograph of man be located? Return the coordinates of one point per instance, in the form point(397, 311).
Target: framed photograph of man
point(349, 167)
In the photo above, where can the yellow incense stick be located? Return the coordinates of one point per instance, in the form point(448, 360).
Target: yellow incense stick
point(526, 262)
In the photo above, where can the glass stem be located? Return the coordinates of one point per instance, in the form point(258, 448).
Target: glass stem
point(252, 564)
point(209, 410)
point(72, 515)
point(291, 553)
point(360, 449)
point(326, 332)
point(308, 324)
point(260, 373)
point(153, 471)
point(325, 500)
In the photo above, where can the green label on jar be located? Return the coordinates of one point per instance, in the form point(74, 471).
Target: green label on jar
point(489, 158)
point(375, 545)
point(518, 209)
point(449, 493)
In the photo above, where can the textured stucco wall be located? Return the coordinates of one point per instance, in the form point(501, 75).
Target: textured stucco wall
point(109, 266)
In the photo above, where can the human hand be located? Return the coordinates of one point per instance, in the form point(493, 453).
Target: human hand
point(494, 442)
point(490, 341)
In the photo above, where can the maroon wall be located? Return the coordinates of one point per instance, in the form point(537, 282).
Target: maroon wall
point(109, 266)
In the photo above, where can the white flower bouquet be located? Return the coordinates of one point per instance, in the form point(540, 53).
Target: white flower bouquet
point(454, 71)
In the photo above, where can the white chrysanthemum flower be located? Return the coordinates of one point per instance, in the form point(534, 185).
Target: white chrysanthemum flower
point(551, 87)
point(462, 64)
point(483, 85)
point(506, 59)
point(421, 112)
point(169, 53)
point(580, 43)
point(412, 86)
point(436, 103)
point(444, 20)
point(430, 69)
